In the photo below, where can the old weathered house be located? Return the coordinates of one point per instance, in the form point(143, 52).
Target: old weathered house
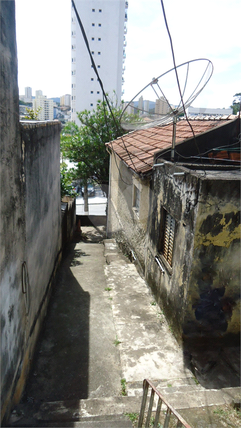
point(180, 219)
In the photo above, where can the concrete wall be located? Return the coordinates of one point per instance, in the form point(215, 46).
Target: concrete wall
point(214, 288)
point(200, 292)
point(123, 223)
point(30, 231)
point(178, 196)
point(41, 154)
point(12, 229)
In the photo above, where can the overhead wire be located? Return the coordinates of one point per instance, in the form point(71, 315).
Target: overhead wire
point(101, 83)
point(177, 78)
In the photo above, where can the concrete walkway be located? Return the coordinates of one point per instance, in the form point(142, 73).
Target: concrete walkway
point(103, 335)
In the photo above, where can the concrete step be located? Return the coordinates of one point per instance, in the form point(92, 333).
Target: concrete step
point(73, 411)
point(108, 421)
point(166, 387)
point(112, 411)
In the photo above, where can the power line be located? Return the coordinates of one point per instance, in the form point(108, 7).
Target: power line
point(178, 83)
point(98, 77)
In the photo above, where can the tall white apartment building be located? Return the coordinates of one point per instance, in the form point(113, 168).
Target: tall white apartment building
point(104, 22)
point(46, 107)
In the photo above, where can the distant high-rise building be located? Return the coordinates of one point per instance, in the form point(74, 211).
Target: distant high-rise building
point(28, 95)
point(65, 100)
point(38, 93)
point(45, 106)
point(161, 106)
point(105, 26)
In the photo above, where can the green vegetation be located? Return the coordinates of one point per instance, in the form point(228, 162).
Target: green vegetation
point(85, 145)
point(195, 380)
point(108, 289)
point(123, 387)
point(132, 416)
point(116, 341)
point(236, 103)
point(65, 181)
point(32, 114)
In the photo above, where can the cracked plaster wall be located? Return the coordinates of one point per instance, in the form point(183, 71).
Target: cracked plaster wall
point(200, 294)
point(213, 308)
point(128, 227)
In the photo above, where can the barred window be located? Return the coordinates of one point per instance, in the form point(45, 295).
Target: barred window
point(136, 199)
point(167, 233)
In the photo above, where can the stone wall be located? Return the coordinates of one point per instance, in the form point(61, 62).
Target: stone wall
point(30, 231)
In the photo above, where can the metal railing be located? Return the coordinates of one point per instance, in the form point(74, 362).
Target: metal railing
point(155, 422)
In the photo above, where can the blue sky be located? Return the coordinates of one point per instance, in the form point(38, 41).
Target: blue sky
point(199, 29)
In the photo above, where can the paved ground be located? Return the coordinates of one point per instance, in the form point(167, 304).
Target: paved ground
point(104, 334)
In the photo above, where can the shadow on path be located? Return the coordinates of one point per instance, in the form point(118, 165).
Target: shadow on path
point(60, 369)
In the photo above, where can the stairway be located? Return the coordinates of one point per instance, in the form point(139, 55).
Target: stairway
point(95, 296)
point(186, 397)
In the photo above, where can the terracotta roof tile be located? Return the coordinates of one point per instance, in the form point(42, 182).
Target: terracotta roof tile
point(137, 148)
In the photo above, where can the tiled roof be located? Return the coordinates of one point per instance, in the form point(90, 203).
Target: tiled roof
point(137, 148)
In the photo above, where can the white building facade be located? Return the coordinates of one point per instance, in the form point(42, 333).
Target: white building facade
point(45, 106)
point(104, 22)
point(65, 100)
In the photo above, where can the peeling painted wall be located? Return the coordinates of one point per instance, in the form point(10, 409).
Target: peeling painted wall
point(200, 293)
point(214, 289)
point(30, 231)
point(178, 196)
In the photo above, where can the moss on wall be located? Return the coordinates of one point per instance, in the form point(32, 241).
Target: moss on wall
point(214, 288)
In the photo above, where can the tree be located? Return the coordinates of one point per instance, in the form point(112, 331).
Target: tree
point(32, 114)
point(85, 145)
point(236, 103)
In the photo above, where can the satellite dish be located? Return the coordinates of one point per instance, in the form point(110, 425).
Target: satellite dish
point(159, 102)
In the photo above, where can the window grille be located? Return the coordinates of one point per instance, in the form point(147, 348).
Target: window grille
point(136, 199)
point(167, 238)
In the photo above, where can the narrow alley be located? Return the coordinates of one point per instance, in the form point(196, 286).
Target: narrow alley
point(104, 335)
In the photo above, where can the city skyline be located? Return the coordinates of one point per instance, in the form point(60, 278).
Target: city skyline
point(44, 45)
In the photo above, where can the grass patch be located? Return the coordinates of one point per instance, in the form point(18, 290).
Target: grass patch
point(108, 289)
point(132, 416)
point(195, 380)
point(123, 387)
point(116, 341)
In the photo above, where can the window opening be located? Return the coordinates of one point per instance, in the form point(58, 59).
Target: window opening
point(136, 199)
point(167, 233)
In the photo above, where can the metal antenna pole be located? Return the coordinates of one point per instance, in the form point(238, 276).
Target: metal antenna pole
point(173, 137)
